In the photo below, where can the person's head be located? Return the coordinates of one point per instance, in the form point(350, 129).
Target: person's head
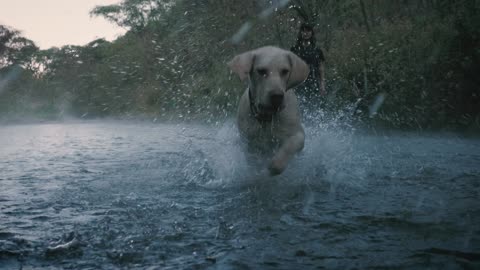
point(306, 33)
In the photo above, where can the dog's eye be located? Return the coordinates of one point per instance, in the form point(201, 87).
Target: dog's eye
point(262, 72)
point(284, 72)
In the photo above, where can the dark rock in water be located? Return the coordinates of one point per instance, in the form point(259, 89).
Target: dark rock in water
point(211, 259)
point(300, 253)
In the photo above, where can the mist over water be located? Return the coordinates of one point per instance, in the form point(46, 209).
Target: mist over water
point(116, 194)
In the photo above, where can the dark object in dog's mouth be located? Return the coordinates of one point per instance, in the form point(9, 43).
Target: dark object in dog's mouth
point(269, 109)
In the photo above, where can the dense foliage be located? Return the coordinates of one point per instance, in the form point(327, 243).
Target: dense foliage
point(422, 57)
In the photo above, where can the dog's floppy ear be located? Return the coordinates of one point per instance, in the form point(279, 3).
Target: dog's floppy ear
point(242, 64)
point(299, 71)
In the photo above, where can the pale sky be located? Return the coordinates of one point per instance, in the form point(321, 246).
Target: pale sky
point(58, 22)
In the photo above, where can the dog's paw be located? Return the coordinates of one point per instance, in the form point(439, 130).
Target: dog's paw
point(276, 167)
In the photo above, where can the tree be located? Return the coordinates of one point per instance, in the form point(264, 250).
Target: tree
point(133, 14)
point(14, 49)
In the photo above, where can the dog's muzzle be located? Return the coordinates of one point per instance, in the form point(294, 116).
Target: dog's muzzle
point(276, 100)
point(265, 112)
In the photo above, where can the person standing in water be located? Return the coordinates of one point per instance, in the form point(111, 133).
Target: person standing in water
point(313, 88)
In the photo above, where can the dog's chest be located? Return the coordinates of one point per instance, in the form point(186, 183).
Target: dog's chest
point(264, 136)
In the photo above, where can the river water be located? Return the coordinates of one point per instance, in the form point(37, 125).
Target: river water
point(136, 195)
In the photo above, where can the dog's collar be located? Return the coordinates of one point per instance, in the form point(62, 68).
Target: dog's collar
point(261, 117)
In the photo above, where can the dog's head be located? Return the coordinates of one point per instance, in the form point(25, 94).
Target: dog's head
point(270, 72)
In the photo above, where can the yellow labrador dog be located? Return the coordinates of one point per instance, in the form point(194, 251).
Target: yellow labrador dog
point(268, 115)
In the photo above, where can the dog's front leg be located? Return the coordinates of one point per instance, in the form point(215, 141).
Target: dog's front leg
point(287, 150)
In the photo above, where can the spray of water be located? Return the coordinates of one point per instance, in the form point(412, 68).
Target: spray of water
point(330, 156)
point(241, 33)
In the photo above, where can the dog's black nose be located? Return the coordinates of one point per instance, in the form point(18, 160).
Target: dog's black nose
point(276, 99)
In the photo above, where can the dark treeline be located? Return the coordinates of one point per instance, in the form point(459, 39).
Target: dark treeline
point(422, 57)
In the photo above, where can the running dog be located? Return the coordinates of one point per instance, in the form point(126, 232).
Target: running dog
point(268, 116)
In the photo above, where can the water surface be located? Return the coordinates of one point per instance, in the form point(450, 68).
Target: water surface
point(163, 196)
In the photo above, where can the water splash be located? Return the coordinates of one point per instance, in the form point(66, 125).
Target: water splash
point(241, 33)
point(376, 104)
point(330, 156)
point(275, 5)
point(330, 149)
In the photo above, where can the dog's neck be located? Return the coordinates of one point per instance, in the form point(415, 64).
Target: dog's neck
point(256, 113)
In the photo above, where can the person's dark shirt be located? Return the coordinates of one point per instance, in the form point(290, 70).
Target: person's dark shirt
point(312, 55)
